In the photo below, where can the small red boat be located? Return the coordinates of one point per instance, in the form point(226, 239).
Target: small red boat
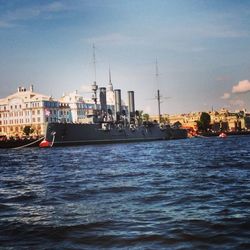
point(45, 144)
point(222, 135)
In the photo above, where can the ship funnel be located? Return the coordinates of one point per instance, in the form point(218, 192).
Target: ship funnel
point(131, 105)
point(117, 103)
point(103, 100)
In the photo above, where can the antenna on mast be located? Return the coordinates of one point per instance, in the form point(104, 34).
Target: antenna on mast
point(94, 86)
point(110, 82)
point(158, 97)
point(94, 62)
point(156, 69)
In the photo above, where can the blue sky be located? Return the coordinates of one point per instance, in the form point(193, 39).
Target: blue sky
point(202, 48)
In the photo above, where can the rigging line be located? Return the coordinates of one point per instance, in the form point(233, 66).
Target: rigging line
point(29, 144)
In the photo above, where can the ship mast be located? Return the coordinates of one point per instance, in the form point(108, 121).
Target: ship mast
point(94, 62)
point(110, 82)
point(94, 86)
point(158, 97)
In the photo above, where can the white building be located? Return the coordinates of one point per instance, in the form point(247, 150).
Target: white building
point(26, 108)
point(110, 94)
point(76, 105)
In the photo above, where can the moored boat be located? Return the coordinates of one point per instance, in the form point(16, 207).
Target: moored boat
point(108, 127)
point(222, 135)
point(59, 134)
point(20, 142)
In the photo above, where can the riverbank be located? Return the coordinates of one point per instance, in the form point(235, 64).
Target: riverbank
point(208, 134)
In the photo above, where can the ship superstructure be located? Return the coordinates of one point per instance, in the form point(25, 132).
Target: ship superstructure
point(107, 126)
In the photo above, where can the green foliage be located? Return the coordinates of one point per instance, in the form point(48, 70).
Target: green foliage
point(139, 117)
point(204, 122)
point(199, 125)
point(28, 130)
point(145, 117)
point(165, 120)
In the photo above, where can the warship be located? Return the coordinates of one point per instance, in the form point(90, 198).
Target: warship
point(107, 126)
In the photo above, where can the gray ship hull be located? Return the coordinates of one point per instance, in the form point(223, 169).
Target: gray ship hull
point(79, 134)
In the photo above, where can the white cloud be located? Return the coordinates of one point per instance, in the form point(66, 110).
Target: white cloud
point(198, 49)
point(54, 7)
point(241, 87)
point(26, 13)
point(86, 88)
point(226, 96)
point(115, 39)
point(222, 78)
point(4, 24)
point(239, 103)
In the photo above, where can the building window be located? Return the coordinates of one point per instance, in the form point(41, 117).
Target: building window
point(38, 119)
point(33, 119)
point(38, 112)
point(33, 112)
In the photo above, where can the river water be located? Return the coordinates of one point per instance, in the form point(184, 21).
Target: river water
point(180, 194)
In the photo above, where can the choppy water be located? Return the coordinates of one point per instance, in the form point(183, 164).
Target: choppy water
point(184, 194)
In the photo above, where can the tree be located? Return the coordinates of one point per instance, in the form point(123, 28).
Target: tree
point(145, 117)
point(28, 130)
point(199, 125)
point(165, 119)
point(138, 115)
point(205, 120)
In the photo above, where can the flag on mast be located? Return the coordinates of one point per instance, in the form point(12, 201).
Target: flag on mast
point(47, 112)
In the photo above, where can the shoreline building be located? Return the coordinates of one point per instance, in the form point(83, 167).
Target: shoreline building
point(26, 108)
point(75, 104)
point(222, 120)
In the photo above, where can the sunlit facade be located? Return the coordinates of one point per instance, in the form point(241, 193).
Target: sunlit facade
point(26, 108)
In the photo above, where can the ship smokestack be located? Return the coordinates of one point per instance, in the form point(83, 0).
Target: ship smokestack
point(117, 103)
point(103, 100)
point(131, 105)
